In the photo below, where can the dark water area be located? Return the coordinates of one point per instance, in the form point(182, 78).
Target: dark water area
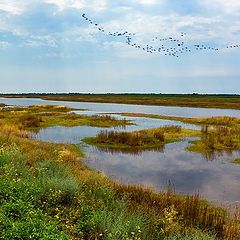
point(213, 176)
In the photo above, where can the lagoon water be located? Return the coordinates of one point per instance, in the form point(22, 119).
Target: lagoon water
point(111, 107)
point(213, 177)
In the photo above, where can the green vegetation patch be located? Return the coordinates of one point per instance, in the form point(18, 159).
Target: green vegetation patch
point(47, 115)
point(218, 138)
point(236, 161)
point(144, 139)
point(219, 120)
point(47, 193)
point(72, 119)
point(218, 134)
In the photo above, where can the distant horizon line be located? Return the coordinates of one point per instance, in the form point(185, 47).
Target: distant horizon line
point(116, 93)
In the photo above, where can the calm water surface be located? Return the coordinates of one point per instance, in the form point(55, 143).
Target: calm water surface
point(216, 180)
point(110, 108)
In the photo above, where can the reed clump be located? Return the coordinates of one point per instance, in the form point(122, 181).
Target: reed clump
point(133, 139)
point(9, 130)
point(217, 138)
point(29, 121)
point(144, 139)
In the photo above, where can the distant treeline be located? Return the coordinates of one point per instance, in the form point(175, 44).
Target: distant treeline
point(121, 94)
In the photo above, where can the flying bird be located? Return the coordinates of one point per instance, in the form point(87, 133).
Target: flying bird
point(170, 46)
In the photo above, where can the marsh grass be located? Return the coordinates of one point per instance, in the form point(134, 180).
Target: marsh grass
point(214, 121)
point(217, 138)
point(236, 161)
point(218, 135)
point(29, 121)
point(35, 117)
point(10, 130)
point(144, 139)
point(46, 192)
point(50, 108)
point(130, 139)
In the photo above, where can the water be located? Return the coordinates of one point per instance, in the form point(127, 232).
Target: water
point(190, 173)
point(216, 180)
point(120, 108)
point(73, 135)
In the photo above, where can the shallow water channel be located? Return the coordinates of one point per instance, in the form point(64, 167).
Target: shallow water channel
point(213, 177)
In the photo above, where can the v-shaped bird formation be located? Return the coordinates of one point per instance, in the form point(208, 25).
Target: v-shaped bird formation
point(168, 46)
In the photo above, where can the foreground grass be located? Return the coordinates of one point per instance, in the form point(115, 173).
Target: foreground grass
point(182, 100)
point(140, 140)
point(46, 115)
point(47, 193)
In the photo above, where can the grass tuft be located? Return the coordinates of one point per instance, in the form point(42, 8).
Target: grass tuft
point(144, 139)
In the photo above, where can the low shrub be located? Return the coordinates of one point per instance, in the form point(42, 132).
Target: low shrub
point(29, 121)
point(129, 138)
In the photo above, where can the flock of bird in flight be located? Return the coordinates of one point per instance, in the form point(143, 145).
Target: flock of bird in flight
point(169, 46)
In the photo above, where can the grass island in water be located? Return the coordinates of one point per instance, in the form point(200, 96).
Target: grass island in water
point(218, 134)
point(144, 139)
point(47, 115)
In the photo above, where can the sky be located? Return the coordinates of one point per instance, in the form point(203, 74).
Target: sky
point(46, 46)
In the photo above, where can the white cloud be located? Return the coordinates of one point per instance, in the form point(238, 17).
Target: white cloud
point(37, 41)
point(147, 2)
point(63, 4)
point(95, 5)
point(228, 6)
point(12, 7)
point(4, 44)
point(219, 27)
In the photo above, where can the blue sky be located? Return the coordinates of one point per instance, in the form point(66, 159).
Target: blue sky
point(46, 46)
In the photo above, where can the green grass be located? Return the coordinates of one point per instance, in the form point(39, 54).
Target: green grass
point(218, 138)
point(45, 201)
point(218, 134)
point(219, 120)
point(182, 100)
point(42, 116)
point(140, 140)
point(236, 161)
point(46, 192)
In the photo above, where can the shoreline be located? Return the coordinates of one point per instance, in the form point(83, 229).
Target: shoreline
point(168, 100)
